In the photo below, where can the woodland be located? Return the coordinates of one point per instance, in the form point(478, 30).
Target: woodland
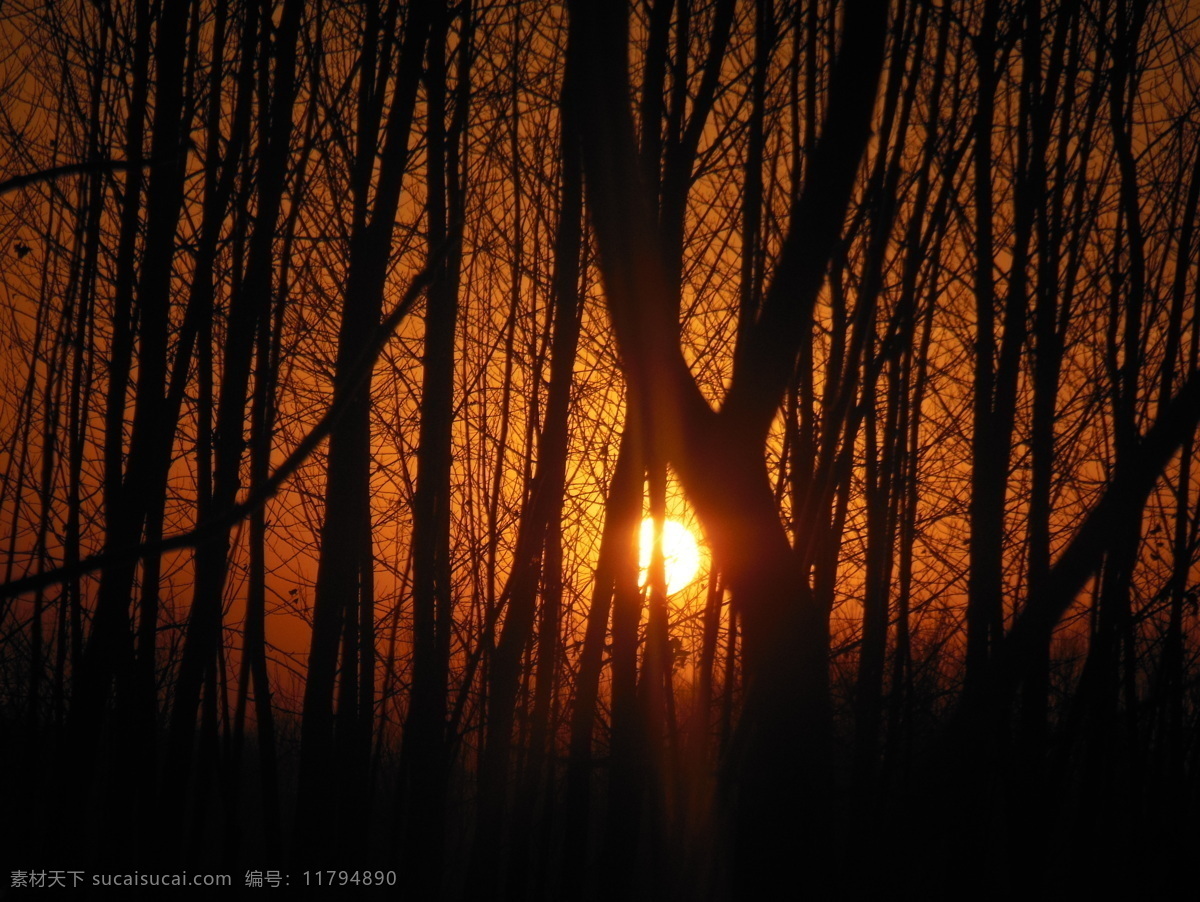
point(346, 345)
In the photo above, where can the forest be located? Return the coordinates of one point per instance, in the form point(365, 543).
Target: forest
point(665, 449)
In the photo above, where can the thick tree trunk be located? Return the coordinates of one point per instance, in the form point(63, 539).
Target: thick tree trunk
point(782, 747)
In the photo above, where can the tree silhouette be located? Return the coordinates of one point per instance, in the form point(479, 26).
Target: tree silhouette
point(348, 345)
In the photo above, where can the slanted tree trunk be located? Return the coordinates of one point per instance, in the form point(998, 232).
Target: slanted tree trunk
point(345, 535)
point(202, 641)
point(135, 478)
point(542, 508)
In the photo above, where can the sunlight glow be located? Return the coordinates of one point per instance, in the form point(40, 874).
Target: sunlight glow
point(681, 554)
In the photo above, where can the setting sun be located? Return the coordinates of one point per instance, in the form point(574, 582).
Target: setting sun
point(681, 554)
point(342, 343)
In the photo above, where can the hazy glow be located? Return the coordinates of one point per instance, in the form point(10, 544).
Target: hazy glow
point(681, 554)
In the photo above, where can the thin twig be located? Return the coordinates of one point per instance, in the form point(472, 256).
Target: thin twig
point(260, 494)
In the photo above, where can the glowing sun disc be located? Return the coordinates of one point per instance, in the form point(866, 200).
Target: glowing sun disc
point(681, 554)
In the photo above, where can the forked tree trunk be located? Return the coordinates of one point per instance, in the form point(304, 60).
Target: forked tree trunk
point(781, 752)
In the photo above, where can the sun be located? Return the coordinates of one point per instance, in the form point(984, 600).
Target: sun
point(681, 554)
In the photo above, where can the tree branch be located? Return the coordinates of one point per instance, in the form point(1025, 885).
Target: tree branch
point(260, 494)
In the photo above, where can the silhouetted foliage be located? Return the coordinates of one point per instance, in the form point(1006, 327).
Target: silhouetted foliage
point(348, 345)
